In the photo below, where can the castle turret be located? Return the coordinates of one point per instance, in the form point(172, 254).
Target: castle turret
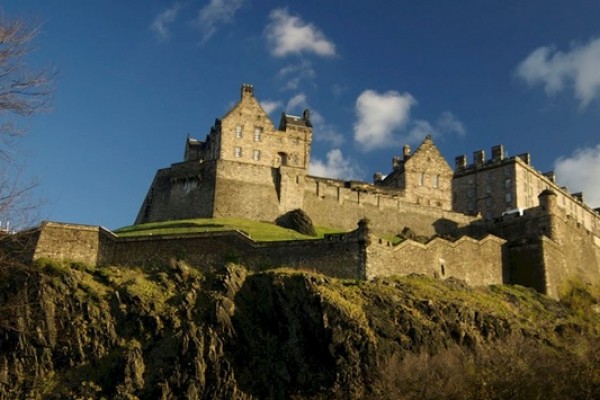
point(549, 206)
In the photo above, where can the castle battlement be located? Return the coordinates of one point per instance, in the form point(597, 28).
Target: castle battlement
point(511, 223)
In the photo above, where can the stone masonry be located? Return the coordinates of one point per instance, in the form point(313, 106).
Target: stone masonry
point(494, 221)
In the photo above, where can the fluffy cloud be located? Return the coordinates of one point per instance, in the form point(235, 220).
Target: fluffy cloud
point(581, 172)
point(160, 25)
point(269, 105)
point(325, 132)
point(293, 74)
point(379, 115)
point(555, 70)
point(336, 166)
point(289, 34)
point(298, 101)
point(446, 123)
point(216, 13)
point(449, 123)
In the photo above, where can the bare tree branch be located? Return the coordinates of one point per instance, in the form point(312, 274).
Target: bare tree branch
point(23, 92)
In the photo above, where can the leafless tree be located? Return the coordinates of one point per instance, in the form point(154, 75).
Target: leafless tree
point(23, 92)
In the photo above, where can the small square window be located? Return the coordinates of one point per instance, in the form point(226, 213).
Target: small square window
point(238, 131)
point(238, 152)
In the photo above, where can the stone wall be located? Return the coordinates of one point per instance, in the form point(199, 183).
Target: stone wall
point(184, 190)
point(339, 204)
point(573, 254)
point(80, 243)
point(477, 262)
point(335, 255)
point(246, 191)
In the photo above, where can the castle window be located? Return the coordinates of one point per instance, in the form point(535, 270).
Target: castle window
point(421, 179)
point(256, 155)
point(470, 192)
point(436, 181)
point(238, 131)
point(237, 152)
point(257, 134)
point(508, 197)
point(488, 202)
point(488, 188)
point(507, 183)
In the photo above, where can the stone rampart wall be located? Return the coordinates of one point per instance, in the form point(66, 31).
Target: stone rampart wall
point(74, 243)
point(574, 253)
point(477, 262)
point(336, 255)
point(329, 203)
point(246, 191)
point(185, 190)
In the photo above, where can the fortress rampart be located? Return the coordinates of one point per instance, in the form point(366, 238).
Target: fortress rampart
point(331, 202)
point(358, 254)
point(508, 223)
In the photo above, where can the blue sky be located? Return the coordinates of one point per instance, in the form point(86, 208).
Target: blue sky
point(134, 78)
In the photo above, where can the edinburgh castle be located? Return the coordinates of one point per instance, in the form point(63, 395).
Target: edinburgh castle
point(491, 221)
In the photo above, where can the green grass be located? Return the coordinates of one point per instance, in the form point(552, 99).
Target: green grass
point(259, 231)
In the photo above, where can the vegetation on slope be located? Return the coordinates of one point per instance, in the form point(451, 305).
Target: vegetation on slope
point(178, 332)
point(259, 231)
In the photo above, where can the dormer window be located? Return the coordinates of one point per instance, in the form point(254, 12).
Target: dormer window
point(257, 134)
point(238, 131)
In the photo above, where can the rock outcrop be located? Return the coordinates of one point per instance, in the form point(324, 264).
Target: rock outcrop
point(175, 332)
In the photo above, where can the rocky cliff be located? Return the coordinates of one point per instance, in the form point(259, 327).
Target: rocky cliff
point(178, 332)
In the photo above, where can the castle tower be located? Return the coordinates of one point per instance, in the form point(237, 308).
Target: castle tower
point(245, 168)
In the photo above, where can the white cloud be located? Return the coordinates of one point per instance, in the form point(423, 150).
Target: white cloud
point(580, 172)
point(555, 70)
point(160, 25)
point(379, 115)
point(336, 166)
point(294, 74)
point(449, 123)
point(325, 132)
point(289, 34)
point(322, 131)
point(419, 129)
point(298, 100)
point(216, 13)
point(270, 105)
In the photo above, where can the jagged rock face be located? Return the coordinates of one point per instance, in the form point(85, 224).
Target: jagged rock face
point(177, 333)
point(298, 221)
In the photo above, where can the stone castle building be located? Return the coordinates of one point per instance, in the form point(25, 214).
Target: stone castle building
point(490, 222)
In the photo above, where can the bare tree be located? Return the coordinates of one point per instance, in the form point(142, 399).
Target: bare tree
point(23, 92)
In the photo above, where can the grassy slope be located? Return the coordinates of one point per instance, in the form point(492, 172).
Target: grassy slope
point(259, 231)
